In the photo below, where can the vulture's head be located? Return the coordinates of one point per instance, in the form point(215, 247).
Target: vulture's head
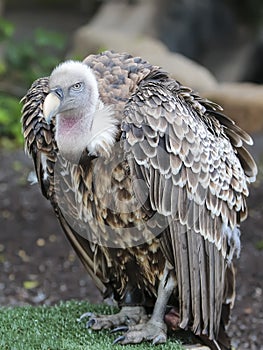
point(82, 120)
point(73, 90)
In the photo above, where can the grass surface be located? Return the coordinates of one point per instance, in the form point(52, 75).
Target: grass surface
point(57, 328)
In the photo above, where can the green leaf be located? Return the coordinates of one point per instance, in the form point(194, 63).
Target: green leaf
point(10, 113)
point(4, 117)
point(49, 38)
point(30, 284)
point(259, 245)
point(6, 29)
point(3, 67)
point(21, 64)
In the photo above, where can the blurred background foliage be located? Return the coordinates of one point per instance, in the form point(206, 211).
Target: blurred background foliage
point(21, 64)
point(204, 31)
point(23, 58)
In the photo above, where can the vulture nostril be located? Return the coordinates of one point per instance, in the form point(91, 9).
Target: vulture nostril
point(59, 93)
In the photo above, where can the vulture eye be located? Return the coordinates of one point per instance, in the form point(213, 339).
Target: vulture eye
point(77, 86)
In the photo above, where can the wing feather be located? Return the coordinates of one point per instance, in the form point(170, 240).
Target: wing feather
point(197, 173)
point(194, 247)
point(179, 244)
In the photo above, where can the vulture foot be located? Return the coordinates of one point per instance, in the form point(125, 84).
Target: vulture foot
point(128, 316)
point(151, 331)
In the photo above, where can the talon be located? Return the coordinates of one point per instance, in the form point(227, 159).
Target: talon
point(119, 329)
point(119, 339)
point(90, 323)
point(159, 340)
point(87, 314)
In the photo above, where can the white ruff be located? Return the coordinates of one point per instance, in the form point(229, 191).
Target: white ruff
point(97, 138)
point(103, 131)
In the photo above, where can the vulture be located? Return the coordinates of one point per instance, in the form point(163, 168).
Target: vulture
point(149, 182)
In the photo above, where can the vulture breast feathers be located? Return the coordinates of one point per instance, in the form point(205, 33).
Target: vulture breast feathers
point(149, 183)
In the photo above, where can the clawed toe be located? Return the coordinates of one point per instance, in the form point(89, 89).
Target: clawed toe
point(86, 314)
point(90, 323)
point(137, 334)
point(133, 321)
point(120, 329)
point(160, 339)
point(128, 316)
point(119, 340)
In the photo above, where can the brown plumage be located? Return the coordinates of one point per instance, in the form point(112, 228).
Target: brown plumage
point(148, 181)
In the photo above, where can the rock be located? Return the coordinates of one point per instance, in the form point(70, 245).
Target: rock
point(114, 24)
point(127, 28)
point(243, 102)
point(192, 27)
point(186, 71)
point(131, 19)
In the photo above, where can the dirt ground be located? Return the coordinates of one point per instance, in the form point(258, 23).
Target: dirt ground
point(38, 266)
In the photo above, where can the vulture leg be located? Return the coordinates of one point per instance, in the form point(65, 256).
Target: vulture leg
point(128, 315)
point(155, 329)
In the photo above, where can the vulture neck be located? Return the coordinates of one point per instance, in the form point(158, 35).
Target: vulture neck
point(96, 132)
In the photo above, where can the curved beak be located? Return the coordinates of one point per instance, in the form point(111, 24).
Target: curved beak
point(52, 104)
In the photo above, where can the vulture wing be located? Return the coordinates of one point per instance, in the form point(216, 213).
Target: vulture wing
point(193, 161)
point(41, 145)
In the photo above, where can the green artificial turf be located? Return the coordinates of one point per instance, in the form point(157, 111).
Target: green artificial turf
point(56, 328)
